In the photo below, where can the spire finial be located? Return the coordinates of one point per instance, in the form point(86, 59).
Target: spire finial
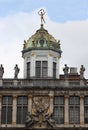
point(41, 13)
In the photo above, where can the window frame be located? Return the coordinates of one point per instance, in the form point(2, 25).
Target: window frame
point(60, 112)
point(21, 111)
point(54, 69)
point(41, 69)
point(28, 69)
point(75, 109)
point(6, 107)
point(85, 108)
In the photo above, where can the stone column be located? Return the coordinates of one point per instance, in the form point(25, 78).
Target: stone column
point(66, 109)
point(30, 103)
point(14, 110)
point(81, 110)
point(0, 108)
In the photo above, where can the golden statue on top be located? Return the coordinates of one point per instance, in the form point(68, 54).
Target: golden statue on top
point(41, 13)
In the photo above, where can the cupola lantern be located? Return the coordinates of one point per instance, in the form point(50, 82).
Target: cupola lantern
point(41, 53)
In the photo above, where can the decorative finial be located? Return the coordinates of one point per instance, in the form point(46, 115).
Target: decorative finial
point(41, 13)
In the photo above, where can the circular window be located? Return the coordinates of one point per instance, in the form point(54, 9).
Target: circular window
point(41, 42)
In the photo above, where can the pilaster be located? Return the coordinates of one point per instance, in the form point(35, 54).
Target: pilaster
point(51, 103)
point(32, 65)
point(14, 110)
point(81, 109)
point(57, 69)
point(30, 103)
point(66, 109)
point(50, 65)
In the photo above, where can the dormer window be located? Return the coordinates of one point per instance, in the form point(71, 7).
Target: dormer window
point(41, 41)
point(41, 69)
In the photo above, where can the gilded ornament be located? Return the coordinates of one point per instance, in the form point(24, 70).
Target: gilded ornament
point(41, 13)
point(32, 54)
point(51, 54)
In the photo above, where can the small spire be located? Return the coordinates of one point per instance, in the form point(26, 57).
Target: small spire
point(42, 13)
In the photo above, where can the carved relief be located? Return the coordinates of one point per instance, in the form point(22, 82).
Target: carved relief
point(40, 117)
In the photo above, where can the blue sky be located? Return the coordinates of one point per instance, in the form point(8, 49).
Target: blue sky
point(58, 10)
point(66, 20)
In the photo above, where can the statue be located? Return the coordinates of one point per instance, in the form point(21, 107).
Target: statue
point(41, 13)
point(66, 69)
point(82, 69)
point(16, 71)
point(1, 71)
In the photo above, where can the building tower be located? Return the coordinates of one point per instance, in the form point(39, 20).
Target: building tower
point(41, 54)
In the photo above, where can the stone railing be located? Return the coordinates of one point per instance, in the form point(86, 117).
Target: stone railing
point(41, 83)
point(30, 83)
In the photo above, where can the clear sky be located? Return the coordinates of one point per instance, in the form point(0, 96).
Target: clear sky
point(66, 20)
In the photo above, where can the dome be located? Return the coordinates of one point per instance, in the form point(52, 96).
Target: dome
point(42, 40)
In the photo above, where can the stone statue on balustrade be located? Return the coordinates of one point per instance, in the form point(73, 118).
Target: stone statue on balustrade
point(16, 71)
point(66, 70)
point(1, 71)
point(82, 69)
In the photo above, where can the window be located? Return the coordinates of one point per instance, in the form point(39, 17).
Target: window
point(28, 70)
point(74, 110)
point(6, 114)
point(41, 69)
point(22, 109)
point(86, 109)
point(54, 70)
point(58, 113)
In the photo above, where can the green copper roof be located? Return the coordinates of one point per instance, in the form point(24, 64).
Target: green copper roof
point(42, 40)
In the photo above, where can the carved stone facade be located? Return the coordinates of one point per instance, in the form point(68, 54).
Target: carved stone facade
point(40, 106)
point(40, 116)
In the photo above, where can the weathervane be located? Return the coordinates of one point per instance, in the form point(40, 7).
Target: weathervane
point(41, 13)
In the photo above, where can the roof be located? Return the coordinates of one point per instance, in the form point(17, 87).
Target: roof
point(42, 40)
